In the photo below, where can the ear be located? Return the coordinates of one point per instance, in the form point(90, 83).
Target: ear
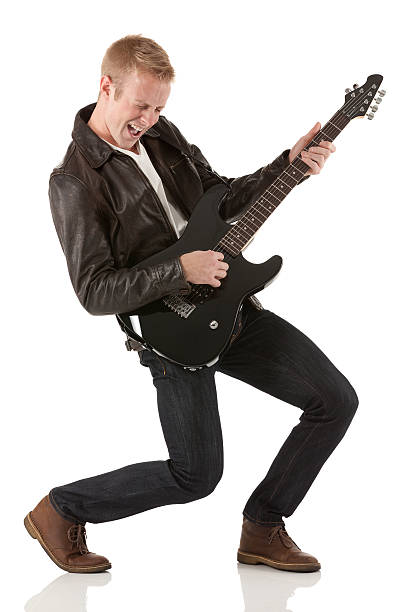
point(106, 86)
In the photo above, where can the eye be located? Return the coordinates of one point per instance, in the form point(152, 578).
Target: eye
point(158, 110)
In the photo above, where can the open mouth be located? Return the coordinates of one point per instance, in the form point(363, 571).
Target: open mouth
point(133, 132)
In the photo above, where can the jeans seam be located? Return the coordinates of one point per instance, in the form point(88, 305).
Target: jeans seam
point(308, 383)
point(278, 485)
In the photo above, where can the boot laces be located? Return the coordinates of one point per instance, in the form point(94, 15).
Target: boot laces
point(77, 535)
point(280, 532)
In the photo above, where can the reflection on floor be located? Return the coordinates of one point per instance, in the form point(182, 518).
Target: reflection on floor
point(263, 589)
point(266, 589)
point(67, 593)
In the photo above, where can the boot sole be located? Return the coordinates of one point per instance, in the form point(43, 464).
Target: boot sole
point(252, 559)
point(34, 533)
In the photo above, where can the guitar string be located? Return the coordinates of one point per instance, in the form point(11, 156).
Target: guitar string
point(245, 218)
point(340, 113)
point(273, 190)
point(228, 257)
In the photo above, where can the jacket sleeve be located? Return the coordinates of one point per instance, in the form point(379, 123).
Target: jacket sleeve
point(244, 190)
point(101, 287)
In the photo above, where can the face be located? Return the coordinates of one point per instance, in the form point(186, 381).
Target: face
point(143, 98)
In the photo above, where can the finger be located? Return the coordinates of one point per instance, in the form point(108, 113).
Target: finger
point(313, 165)
point(325, 150)
point(309, 136)
point(219, 255)
point(321, 150)
point(320, 159)
point(314, 129)
point(221, 274)
point(329, 145)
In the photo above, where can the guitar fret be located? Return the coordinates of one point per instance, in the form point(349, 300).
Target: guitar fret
point(288, 179)
point(335, 126)
point(243, 230)
point(327, 136)
point(252, 220)
point(280, 179)
point(269, 202)
point(260, 212)
point(274, 190)
point(233, 248)
point(282, 187)
point(252, 227)
point(273, 198)
point(293, 174)
point(260, 205)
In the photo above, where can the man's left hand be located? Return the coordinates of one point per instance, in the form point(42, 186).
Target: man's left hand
point(316, 156)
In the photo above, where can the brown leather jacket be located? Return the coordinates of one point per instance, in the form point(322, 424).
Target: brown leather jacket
point(109, 218)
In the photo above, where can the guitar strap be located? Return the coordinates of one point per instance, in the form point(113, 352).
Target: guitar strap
point(133, 341)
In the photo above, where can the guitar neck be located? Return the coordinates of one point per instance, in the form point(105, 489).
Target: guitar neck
point(236, 239)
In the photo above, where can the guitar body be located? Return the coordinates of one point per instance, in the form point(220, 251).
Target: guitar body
point(199, 338)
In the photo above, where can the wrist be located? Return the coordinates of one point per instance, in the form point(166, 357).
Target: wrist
point(182, 266)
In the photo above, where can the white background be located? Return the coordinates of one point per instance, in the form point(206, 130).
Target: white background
point(251, 79)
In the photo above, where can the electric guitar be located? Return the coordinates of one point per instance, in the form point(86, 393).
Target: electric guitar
point(193, 330)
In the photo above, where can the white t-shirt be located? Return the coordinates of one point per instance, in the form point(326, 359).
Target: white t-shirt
point(177, 220)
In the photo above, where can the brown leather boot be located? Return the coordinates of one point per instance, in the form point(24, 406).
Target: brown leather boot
point(271, 545)
point(63, 541)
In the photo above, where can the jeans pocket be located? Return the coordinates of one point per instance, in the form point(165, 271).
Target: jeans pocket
point(152, 360)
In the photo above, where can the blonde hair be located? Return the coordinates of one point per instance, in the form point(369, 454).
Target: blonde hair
point(135, 52)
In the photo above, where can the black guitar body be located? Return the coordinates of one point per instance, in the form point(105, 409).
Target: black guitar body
point(199, 338)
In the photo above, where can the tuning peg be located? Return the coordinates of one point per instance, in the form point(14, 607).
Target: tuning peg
point(348, 90)
point(382, 92)
point(374, 108)
point(370, 116)
point(378, 100)
point(355, 85)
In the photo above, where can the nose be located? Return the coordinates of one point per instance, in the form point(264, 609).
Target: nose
point(147, 117)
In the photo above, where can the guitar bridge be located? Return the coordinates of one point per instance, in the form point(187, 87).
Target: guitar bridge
point(179, 305)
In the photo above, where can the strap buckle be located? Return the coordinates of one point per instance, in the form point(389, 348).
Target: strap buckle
point(133, 345)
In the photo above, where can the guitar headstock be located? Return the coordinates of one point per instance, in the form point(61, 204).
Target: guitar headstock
point(358, 99)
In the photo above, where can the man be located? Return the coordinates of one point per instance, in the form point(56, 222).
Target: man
point(125, 190)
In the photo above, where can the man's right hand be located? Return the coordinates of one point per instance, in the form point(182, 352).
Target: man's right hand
point(204, 267)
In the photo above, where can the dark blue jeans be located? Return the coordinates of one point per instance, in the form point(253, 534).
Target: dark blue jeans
point(270, 354)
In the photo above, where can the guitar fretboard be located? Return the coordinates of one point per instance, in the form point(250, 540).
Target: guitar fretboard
point(244, 229)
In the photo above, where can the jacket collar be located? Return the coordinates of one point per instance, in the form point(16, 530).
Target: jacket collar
point(96, 150)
